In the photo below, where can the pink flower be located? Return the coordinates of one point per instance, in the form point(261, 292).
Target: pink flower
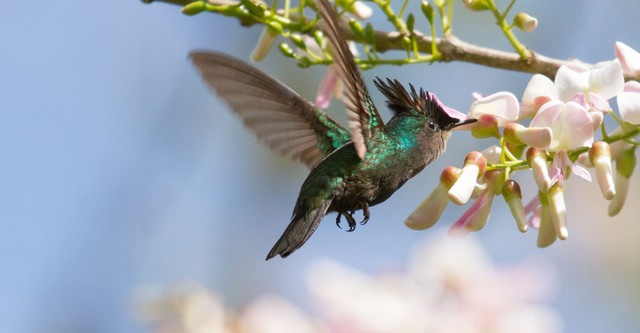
point(572, 127)
point(629, 103)
point(502, 105)
point(539, 91)
point(329, 85)
point(629, 59)
point(592, 88)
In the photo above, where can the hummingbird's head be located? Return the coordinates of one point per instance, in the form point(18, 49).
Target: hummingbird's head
point(402, 102)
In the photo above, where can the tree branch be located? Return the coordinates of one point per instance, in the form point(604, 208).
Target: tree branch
point(451, 48)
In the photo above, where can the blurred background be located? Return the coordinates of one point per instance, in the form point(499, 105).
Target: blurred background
point(120, 170)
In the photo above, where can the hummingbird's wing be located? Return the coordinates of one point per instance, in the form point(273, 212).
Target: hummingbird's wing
point(277, 115)
point(364, 120)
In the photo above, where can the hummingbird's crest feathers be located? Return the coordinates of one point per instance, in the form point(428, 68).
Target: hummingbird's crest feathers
point(364, 120)
point(277, 115)
point(400, 100)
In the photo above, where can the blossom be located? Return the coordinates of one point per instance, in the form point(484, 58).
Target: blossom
point(629, 103)
point(474, 165)
point(432, 207)
point(572, 127)
point(477, 215)
point(449, 286)
point(502, 105)
point(265, 42)
point(629, 59)
point(592, 88)
point(331, 83)
point(600, 157)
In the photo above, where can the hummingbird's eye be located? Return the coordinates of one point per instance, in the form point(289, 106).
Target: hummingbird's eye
point(432, 126)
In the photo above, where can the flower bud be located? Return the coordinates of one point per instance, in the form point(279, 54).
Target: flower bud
point(427, 11)
point(474, 166)
point(600, 157)
point(266, 40)
point(537, 160)
point(194, 8)
point(357, 8)
point(485, 127)
point(558, 210)
point(287, 50)
point(513, 196)
point(547, 234)
point(537, 137)
point(476, 5)
point(525, 22)
point(625, 164)
point(356, 28)
point(429, 211)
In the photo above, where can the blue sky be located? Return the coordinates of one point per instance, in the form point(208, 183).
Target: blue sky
point(121, 170)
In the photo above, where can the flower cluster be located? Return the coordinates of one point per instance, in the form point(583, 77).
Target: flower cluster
point(449, 286)
point(563, 118)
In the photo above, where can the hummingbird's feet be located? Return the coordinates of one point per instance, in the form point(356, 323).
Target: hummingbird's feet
point(350, 220)
point(365, 212)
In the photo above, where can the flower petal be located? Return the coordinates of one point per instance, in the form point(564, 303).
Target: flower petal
point(571, 124)
point(539, 91)
point(502, 105)
point(629, 103)
point(629, 59)
point(570, 81)
point(606, 79)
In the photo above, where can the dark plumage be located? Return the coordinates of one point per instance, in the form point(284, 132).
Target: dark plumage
point(349, 173)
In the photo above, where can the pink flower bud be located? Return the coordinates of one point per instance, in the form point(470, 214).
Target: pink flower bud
point(537, 160)
point(600, 157)
point(485, 127)
point(429, 211)
point(538, 137)
point(513, 196)
point(474, 166)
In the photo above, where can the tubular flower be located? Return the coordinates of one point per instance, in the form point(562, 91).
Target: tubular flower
point(474, 166)
point(477, 215)
point(431, 208)
point(331, 83)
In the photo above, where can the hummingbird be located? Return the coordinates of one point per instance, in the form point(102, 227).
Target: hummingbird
point(351, 170)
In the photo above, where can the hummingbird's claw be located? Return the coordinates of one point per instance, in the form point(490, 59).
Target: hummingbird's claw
point(365, 212)
point(351, 221)
point(338, 220)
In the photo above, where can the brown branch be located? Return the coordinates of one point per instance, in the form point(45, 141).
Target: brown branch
point(451, 48)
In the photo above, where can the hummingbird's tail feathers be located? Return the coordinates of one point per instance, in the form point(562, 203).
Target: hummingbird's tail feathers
point(277, 115)
point(302, 226)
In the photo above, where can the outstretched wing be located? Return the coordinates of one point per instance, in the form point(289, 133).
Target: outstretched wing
point(364, 120)
point(277, 115)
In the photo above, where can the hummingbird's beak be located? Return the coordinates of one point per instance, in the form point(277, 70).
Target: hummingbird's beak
point(462, 123)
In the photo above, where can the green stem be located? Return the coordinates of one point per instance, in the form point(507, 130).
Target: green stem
point(507, 31)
